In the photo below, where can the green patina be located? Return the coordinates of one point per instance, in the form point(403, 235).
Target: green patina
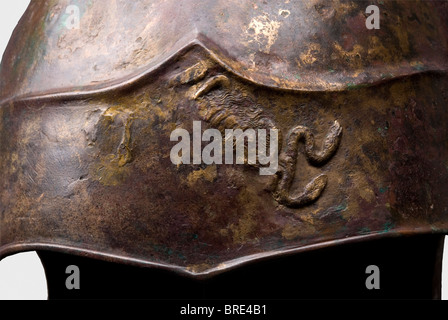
point(419, 66)
point(353, 86)
point(382, 131)
point(383, 189)
point(341, 207)
point(387, 227)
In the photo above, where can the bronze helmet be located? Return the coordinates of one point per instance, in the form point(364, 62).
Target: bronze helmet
point(87, 116)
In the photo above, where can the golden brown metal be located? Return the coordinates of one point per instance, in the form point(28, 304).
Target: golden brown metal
point(86, 117)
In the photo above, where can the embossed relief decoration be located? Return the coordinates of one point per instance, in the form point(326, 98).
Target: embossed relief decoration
point(226, 104)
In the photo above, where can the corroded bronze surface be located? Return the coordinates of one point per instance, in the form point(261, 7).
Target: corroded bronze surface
point(86, 117)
